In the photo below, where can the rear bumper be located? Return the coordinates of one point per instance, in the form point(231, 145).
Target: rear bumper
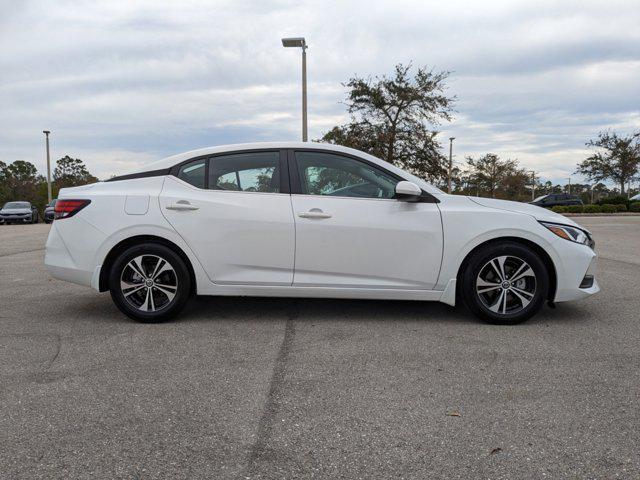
point(78, 237)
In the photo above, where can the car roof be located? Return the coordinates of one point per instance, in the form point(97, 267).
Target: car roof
point(168, 162)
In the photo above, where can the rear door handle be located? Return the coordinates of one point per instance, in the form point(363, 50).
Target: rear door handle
point(314, 213)
point(181, 205)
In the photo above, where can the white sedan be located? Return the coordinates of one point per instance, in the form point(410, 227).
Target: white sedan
point(310, 220)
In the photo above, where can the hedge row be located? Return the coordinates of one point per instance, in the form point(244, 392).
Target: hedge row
point(614, 200)
point(605, 208)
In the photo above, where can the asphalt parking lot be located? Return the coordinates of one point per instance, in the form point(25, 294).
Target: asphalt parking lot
point(279, 388)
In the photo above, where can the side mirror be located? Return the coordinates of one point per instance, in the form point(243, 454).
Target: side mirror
point(408, 191)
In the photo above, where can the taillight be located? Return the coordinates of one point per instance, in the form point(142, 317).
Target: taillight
point(68, 208)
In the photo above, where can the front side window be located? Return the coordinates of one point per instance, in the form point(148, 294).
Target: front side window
point(193, 173)
point(334, 175)
point(246, 172)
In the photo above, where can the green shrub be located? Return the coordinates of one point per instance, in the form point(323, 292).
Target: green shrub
point(621, 208)
point(615, 200)
point(634, 207)
point(559, 209)
point(608, 208)
point(592, 209)
point(575, 208)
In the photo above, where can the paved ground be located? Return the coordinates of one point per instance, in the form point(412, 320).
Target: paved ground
point(317, 389)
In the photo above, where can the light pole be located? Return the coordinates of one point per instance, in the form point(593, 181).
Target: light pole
point(46, 133)
point(533, 185)
point(300, 42)
point(451, 139)
point(569, 185)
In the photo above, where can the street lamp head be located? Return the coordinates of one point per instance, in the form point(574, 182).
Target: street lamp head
point(294, 42)
point(46, 132)
point(451, 139)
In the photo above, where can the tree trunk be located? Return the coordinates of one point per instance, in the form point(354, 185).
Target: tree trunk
point(390, 149)
point(622, 187)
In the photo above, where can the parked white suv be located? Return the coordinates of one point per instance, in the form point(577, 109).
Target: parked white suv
point(310, 220)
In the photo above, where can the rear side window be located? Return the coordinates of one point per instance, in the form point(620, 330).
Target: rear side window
point(193, 173)
point(246, 172)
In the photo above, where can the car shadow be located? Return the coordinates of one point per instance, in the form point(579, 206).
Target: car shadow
point(277, 309)
point(317, 310)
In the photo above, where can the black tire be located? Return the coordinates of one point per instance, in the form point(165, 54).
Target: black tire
point(127, 304)
point(532, 288)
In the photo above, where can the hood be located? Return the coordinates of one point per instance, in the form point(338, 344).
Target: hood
point(15, 210)
point(539, 213)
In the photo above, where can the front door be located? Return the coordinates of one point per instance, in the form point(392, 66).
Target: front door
point(234, 211)
point(352, 232)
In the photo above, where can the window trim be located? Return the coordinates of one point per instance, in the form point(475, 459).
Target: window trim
point(296, 183)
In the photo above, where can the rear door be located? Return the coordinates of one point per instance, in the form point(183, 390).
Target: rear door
point(351, 232)
point(234, 211)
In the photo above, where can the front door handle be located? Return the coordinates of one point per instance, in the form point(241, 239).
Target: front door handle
point(314, 213)
point(181, 205)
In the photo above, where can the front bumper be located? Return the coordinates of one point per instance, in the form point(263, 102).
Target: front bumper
point(574, 281)
point(23, 217)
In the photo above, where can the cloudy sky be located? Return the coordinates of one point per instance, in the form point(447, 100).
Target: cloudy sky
point(123, 83)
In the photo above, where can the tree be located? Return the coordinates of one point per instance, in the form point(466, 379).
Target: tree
point(389, 117)
point(488, 172)
point(516, 184)
point(71, 172)
point(3, 183)
point(617, 159)
point(20, 179)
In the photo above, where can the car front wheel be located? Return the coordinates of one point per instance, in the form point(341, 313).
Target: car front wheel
point(149, 283)
point(505, 283)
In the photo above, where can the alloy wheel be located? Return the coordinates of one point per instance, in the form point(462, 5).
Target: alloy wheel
point(149, 283)
point(506, 285)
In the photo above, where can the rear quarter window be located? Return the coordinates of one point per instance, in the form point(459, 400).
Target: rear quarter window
point(193, 173)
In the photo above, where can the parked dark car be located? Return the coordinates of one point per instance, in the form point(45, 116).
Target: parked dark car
point(556, 200)
point(49, 211)
point(19, 212)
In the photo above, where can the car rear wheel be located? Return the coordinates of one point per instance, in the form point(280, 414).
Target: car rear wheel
point(505, 283)
point(149, 283)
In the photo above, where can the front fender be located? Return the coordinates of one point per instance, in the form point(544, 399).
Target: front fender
point(463, 232)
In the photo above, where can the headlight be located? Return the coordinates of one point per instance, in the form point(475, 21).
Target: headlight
point(572, 234)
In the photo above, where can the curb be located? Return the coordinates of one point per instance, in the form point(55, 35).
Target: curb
point(619, 214)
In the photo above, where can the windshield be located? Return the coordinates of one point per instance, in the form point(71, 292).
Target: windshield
point(16, 205)
point(52, 203)
point(539, 198)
